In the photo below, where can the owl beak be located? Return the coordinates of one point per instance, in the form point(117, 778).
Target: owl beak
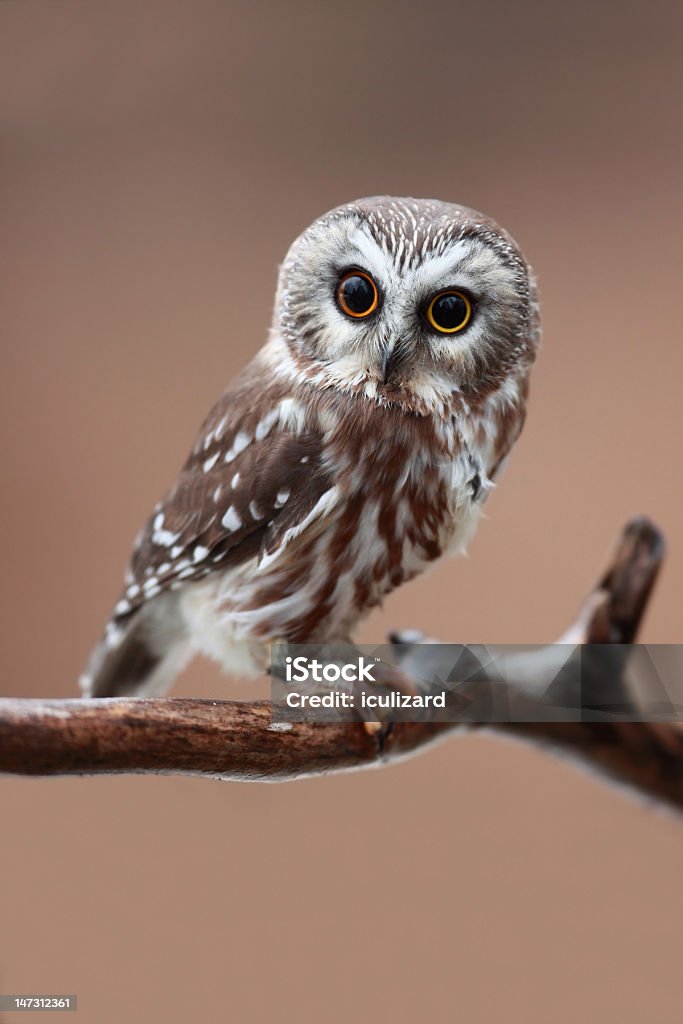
point(392, 358)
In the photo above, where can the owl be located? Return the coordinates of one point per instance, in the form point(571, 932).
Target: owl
point(354, 450)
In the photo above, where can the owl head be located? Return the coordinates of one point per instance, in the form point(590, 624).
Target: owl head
point(406, 299)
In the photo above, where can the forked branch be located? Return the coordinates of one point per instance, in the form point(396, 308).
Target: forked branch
point(238, 741)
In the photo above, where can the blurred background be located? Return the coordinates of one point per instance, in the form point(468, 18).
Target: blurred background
point(157, 158)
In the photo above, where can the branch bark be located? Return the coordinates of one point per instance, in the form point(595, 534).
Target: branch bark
point(238, 741)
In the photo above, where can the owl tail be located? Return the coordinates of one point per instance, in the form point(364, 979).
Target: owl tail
point(140, 653)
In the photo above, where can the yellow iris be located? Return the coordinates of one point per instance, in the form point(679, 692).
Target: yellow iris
point(449, 311)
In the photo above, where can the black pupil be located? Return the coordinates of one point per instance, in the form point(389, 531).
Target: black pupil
point(450, 311)
point(358, 293)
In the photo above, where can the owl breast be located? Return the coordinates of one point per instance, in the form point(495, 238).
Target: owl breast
point(408, 490)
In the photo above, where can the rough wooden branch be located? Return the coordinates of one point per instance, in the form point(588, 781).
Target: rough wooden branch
point(236, 740)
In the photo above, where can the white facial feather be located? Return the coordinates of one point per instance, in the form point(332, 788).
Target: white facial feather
point(412, 250)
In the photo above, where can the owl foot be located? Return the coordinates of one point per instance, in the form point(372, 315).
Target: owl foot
point(379, 732)
point(387, 677)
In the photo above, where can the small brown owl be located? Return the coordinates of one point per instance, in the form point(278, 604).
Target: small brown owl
point(355, 449)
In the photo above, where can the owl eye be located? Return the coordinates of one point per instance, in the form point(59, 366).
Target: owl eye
point(357, 294)
point(449, 312)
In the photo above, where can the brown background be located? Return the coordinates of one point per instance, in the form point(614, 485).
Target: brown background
point(157, 159)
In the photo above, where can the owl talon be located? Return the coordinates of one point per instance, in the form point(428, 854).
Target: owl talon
point(379, 732)
point(387, 677)
point(372, 728)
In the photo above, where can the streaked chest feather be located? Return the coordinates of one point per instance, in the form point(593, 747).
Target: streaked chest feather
point(403, 497)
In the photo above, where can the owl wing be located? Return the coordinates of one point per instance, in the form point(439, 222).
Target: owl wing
point(254, 481)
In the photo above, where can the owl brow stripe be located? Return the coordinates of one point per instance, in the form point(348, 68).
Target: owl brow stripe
point(439, 265)
point(373, 256)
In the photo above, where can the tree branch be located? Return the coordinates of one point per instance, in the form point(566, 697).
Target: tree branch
point(238, 741)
